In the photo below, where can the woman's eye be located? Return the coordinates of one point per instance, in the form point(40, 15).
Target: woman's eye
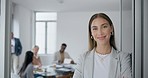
point(104, 26)
point(94, 28)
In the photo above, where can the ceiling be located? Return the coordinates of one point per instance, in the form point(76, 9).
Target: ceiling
point(73, 5)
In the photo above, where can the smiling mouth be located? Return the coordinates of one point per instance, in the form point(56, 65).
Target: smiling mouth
point(101, 38)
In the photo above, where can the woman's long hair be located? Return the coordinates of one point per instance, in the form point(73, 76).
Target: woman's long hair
point(28, 59)
point(92, 42)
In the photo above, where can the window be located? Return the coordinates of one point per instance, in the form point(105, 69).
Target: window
point(45, 31)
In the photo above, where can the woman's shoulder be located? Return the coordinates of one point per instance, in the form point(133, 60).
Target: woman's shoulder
point(120, 53)
point(30, 65)
point(87, 53)
point(124, 55)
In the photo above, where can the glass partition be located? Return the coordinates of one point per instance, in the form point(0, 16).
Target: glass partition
point(122, 18)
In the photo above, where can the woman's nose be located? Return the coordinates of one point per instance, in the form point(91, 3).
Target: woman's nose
point(99, 31)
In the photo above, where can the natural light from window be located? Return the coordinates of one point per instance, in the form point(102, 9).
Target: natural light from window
point(45, 32)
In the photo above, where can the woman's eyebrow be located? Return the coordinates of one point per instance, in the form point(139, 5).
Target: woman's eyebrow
point(104, 24)
point(101, 25)
point(93, 26)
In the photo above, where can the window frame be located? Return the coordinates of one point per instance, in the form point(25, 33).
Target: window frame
point(46, 25)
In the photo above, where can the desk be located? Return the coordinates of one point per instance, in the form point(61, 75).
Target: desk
point(58, 71)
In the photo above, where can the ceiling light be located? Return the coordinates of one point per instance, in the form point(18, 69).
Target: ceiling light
point(60, 1)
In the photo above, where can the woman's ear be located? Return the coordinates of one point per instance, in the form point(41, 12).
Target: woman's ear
point(112, 29)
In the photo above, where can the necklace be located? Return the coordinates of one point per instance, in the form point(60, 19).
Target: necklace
point(102, 57)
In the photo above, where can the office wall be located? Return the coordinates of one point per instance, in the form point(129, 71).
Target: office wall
point(15, 20)
point(23, 24)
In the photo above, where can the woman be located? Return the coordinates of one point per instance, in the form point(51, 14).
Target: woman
point(102, 60)
point(36, 58)
point(26, 70)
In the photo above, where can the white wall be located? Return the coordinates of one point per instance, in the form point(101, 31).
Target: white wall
point(72, 29)
point(23, 18)
point(15, 20)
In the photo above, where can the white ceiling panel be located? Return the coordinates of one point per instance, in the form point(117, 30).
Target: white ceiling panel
point(71, 5)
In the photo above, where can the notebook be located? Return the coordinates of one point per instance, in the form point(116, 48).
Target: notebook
point(67, 61)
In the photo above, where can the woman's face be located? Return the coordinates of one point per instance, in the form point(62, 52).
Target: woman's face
point(101, 31)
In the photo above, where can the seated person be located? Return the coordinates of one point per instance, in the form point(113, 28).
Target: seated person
point(61, 55)
point(36, 58)
point(26, 70)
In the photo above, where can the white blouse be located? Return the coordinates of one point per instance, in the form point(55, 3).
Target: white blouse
point(102, 65)
point(12, 45)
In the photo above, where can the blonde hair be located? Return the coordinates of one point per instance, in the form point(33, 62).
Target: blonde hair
point(35, 46)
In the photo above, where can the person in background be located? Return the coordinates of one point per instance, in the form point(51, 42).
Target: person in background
point(16, 50)
point(26, 70)
point(103, 60)
point(36, 58)
point(61, 55)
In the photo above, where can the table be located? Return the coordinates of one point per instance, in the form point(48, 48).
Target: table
point(56, 71)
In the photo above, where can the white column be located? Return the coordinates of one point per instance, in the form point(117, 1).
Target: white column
point(5, 38)
point(2, 36)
